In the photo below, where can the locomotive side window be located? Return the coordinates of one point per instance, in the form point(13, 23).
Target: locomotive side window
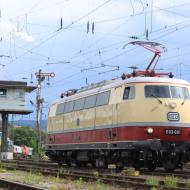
point(69, 107)
point(79, 104)
point(90, 101)
point(129, 93)
point(103, 98)
point(60, 108)
point(179, 92)
point(157, 91)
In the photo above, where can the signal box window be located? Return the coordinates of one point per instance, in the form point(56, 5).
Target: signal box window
point(129, 93)
point(60, 108)
point(157, 91)
point(90, 101)
point(69, 107)
point(79, 104)
point(3, 92)
point(103, 98)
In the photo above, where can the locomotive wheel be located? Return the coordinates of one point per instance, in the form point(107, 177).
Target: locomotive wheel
point(169, 166)
point(68, 163)
point(80, 164)
point(93, 163)
point(137, 167)
point(151, 167)
point(101, 163)
point(169, 170)
point(59, 163)
point(119, 166)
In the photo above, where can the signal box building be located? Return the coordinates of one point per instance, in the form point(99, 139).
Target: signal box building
point(12, 101)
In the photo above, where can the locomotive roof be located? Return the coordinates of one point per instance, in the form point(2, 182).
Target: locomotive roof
point(114, 83)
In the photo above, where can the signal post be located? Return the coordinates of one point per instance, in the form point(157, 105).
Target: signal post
point(40, 76)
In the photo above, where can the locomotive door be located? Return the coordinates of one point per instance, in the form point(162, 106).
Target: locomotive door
point(113, 134)
point(115, 109)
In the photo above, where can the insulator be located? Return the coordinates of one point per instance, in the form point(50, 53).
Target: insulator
point(134, 37)
point(61, 23)
point(87, 26)
point(31, 79)
point(171, 75)
point(48, 83)
point(146, 34)
point(123, 76)
point(93, 28)
point(86, 81)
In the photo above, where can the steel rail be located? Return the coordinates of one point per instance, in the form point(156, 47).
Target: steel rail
point(17, 186)
point(119, 180)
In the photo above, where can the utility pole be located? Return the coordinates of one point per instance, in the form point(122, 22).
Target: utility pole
point(40, 78)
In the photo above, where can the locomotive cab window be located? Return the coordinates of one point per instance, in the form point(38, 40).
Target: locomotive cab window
point(179, 92)
point(157, 91)
point(129, 93)
point(103, 98)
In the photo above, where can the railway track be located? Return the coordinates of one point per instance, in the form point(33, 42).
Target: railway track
point(118, 179)
point(185, 173)
point(7, 184)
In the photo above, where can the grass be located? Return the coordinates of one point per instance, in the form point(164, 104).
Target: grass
point(153, 188)
point(79, 183)
point(33, 178)
point(188, 183)
point(61, 187)
point(57, 179)
point(171, 181)
point(57, 183)
point(99, 185)
point(154, 181)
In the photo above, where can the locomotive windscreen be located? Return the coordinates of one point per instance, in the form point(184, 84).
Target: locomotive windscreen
point(166, 92)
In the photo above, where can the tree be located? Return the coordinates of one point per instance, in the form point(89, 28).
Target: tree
point(27, 136)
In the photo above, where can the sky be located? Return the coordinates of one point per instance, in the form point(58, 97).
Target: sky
point(32, 38)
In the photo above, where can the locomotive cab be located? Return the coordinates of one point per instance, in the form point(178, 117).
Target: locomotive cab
point(161, 122)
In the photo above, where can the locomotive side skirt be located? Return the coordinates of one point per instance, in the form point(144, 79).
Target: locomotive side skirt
point(127, 137)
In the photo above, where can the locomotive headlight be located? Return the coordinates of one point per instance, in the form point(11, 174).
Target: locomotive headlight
point(150, 130)
point(172, 105)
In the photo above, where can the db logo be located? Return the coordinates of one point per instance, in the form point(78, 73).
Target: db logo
point(173, 116)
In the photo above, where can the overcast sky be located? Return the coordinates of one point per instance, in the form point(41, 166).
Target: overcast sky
point(31, 37)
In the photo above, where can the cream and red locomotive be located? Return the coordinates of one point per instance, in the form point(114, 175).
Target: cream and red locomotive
point(142, 121)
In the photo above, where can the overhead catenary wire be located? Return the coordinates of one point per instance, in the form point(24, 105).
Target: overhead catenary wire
point(159, 35)
point(64, 28)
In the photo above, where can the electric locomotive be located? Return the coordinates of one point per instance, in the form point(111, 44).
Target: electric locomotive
point(141, 121)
